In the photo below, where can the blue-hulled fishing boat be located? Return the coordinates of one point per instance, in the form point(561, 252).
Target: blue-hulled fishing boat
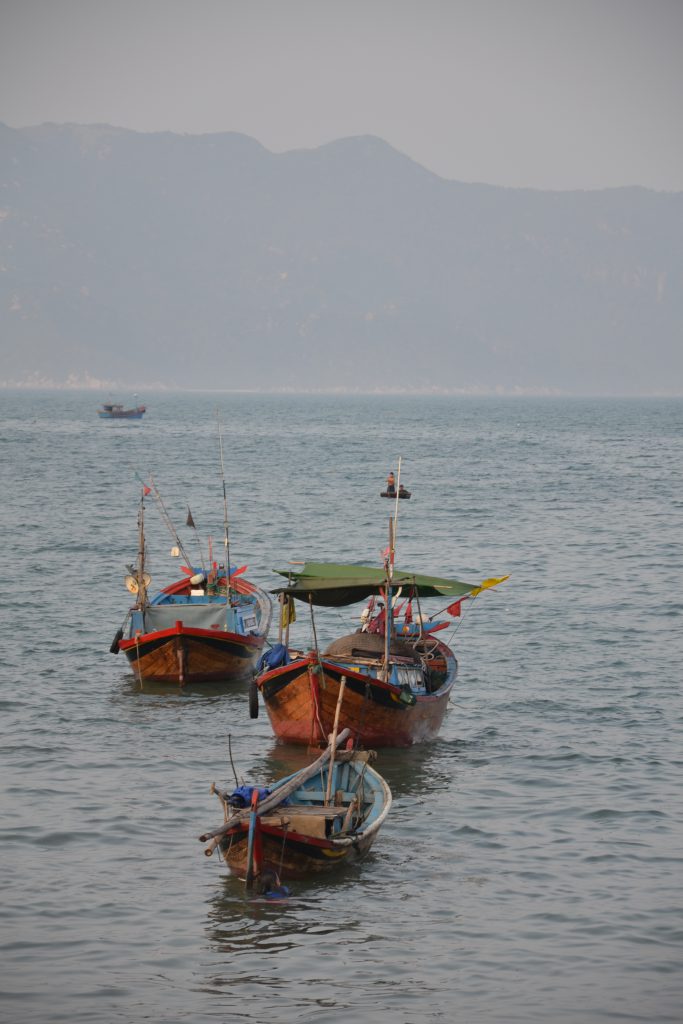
point(115, 411)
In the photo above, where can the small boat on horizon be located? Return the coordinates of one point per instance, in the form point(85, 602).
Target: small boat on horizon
point(116, 411)
point(308, 823)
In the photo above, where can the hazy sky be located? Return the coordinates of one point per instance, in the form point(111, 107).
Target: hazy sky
point(544, 93)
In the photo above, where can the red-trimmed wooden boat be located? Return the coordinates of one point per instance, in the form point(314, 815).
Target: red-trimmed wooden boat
point(307, 823)
point(209, 627)
point(397, 682)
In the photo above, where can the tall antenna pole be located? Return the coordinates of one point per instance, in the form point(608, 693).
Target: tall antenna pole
point(388, 610)
point(226, 536)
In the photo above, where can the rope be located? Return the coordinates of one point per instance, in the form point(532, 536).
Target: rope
point(458, 624)
point(137, 659)
point(282, 851)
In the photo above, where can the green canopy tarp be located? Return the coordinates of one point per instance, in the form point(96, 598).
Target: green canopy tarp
point(331, 585)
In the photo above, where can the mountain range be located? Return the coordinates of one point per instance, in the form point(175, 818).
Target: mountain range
point(136, 260)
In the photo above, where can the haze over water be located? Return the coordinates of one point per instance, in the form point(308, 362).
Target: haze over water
point(530, 868)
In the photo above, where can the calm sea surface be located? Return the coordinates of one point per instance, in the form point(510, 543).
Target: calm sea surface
point(530, 869)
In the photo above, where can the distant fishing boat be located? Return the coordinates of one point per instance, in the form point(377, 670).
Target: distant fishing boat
point(308, 823)
point(208, 627)
point(115, 411)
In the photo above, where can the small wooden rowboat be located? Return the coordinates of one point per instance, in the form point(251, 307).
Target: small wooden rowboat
point(308, 823)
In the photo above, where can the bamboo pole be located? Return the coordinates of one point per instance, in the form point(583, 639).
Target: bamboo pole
point(398, 489)
point(333, 739)
point(251, 841)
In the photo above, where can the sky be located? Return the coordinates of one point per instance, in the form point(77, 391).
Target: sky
point(547, 94)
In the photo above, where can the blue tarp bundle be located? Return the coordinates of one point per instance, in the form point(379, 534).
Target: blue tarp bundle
point(278, 655)
point(241, 797)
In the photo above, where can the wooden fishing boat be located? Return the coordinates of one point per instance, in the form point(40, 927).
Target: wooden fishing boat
point(114, 411)
point(308, 823)
point(397, 679)
point(208, 627)
point(201, 629)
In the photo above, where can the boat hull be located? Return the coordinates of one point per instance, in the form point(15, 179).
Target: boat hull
point(308, 823)
point(185, 656)
point(121, 415)
point(288, 853)
point(301, 701)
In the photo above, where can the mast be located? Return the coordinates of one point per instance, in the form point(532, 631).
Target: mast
point(388, 610)
point(226, 535)
point(398, 490)
point(141, 574)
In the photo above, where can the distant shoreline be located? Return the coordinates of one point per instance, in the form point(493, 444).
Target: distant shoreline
point(162, 389)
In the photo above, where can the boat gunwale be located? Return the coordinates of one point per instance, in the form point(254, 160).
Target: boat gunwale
point(250, 639)
point(383, 684)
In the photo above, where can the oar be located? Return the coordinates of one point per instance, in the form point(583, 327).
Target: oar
point(253, 824)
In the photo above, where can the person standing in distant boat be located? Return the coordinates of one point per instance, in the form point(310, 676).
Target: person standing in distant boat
point(391, 484)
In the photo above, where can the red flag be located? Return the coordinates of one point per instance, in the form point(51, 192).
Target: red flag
point(409, 613)
point(146, 490)
point(454, 609)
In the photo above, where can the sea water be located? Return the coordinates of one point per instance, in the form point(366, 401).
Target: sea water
point(530, 868)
